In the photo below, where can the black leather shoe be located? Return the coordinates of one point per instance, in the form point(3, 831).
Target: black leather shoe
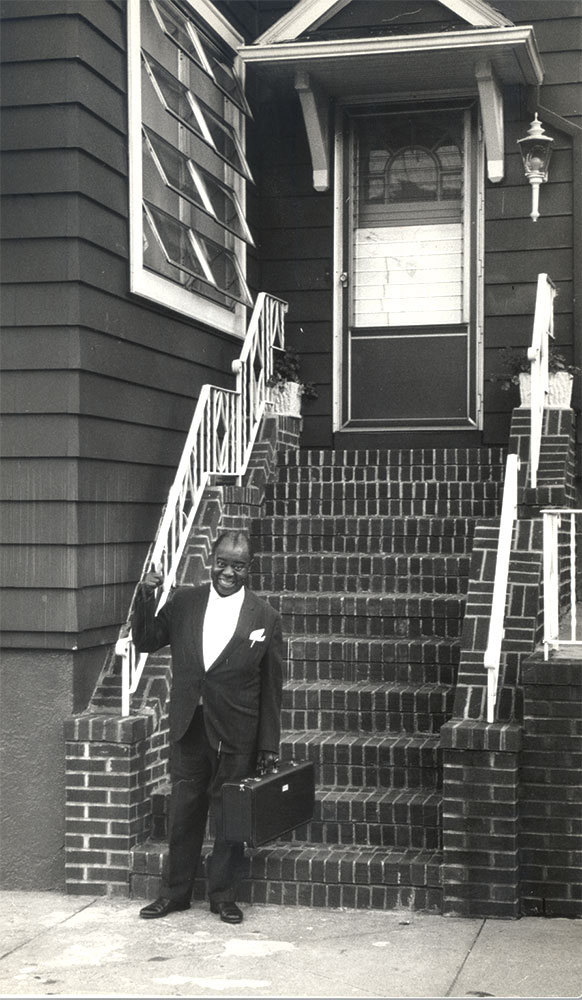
point(229, 912)
point(162, 906)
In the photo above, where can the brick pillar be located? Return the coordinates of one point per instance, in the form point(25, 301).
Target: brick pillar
point(551, 787)
point(111, 766)
point(480, 871)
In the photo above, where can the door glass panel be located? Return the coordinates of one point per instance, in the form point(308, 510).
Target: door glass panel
point(408, 234)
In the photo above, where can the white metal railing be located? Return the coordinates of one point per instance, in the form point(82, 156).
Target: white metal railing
point(538, 354)
point(496, 628)
point(559, 544)
point(219, 442)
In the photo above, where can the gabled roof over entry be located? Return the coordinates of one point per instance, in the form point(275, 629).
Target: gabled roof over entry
point(478, 51)
point(307, 15)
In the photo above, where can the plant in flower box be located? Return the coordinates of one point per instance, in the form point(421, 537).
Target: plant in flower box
point(286, 383)
point(515, 370)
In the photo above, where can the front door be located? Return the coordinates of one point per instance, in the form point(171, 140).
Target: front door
point(409, 269)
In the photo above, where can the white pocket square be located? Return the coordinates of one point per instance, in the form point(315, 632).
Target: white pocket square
point(257, 636)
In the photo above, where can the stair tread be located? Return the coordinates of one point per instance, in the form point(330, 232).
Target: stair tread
point(373, 687)
point(320, 736)
point(356, 852)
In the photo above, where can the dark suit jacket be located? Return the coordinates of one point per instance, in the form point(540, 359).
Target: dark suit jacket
point(241, 691)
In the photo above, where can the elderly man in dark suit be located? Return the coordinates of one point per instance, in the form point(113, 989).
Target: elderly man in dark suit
point(225, 709)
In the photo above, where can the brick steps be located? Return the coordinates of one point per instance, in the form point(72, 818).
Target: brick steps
point(389, 661)
point(444, 463)
point(370, 760)
point(366, 707)
point(362, 572)
point(366, 555)
point(381, 507)
point(373, 817)
point(372, 490)
point(373, 535)
point(317, 875)
point(370, 616)
point(393, 817)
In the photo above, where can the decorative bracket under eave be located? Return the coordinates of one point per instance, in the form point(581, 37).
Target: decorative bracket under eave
point(491, 101)
point(315, 107)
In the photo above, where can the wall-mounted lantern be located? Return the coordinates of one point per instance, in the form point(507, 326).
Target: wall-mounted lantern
point(535, 149)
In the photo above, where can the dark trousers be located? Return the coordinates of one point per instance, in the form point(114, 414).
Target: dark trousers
point(198, 772)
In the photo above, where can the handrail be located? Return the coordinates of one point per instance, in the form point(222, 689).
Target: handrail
point(219, 442)
point(552, 522)
point(538, 355)
point(492, 655)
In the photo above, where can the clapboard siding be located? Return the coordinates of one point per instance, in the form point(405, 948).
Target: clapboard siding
point(97, 385)
point(51, 565)
point(68, 479)
point(295, 232)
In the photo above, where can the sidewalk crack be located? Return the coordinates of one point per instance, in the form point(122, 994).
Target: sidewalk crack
point(464, 962)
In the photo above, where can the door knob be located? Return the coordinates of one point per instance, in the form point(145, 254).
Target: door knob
point(344, 278)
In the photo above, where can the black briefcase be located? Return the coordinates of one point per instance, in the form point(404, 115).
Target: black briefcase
point(260, 809)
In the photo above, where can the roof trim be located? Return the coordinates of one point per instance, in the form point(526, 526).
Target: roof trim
point(309, 14)
point(489, 39)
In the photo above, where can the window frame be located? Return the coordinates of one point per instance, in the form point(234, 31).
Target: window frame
point(143, 282)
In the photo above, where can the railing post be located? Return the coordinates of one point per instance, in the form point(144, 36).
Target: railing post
point(492, 655)
point(538, 354)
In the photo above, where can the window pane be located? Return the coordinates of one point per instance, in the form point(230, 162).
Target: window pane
point(222, 73)
point(197, 185)
point(199, 256)
point(408, 239)
point(197, 116)
point(198, 47)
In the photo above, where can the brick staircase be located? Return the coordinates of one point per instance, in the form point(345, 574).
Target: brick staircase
point(366, 555)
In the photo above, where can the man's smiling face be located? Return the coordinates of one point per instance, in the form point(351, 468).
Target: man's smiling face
point(230, 567)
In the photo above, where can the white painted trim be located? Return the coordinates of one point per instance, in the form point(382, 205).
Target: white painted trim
point(483, 41)
point(308, 14)
point(338, 291)
point(217, 22)
point(491, 101)
point(477, 13)
point(315, 108)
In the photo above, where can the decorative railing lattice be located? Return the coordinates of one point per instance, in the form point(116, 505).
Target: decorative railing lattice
point(219, 442)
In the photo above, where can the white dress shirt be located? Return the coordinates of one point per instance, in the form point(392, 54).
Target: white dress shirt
point(220, 620)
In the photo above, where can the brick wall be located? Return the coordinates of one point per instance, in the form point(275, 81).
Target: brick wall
point(551, 788)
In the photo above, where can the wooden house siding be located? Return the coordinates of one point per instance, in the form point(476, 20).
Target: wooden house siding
point(295, 243)
point(98, 387)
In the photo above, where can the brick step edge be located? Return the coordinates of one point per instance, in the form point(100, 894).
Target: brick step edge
point(324, 864)
point(394, 456)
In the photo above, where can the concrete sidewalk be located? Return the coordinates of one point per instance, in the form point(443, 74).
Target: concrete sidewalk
point(58, 945)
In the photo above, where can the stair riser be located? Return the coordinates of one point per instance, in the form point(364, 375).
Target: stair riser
point(392, 475)
point(337, 583)
point(372, 628)
point(267, 888)
point(365, 722)
point(354, 491)
point(397, 545)
point(376, 822)
point(382, 508)
point(397, 458)
point(372, 834)
point(373, 673)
